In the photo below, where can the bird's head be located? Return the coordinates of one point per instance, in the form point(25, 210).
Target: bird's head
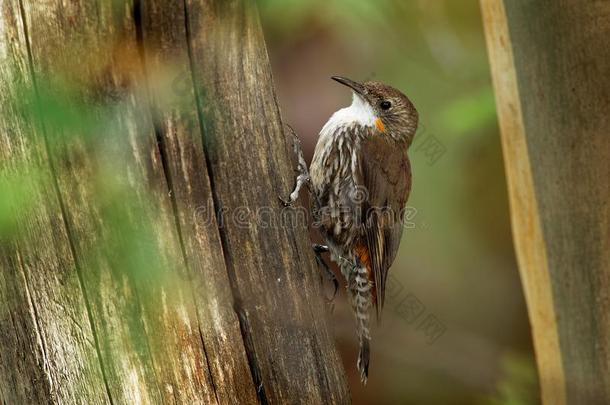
point(394, 114)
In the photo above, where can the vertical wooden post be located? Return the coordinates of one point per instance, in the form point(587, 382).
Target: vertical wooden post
point(551, 71)
point(220, 309)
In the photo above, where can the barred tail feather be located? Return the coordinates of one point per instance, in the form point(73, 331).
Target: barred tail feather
point(361, 304)
point(363, 360)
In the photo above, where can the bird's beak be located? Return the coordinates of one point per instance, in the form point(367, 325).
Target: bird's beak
point(357, 87)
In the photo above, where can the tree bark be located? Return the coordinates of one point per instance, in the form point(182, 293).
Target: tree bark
point(220, 305)
point(551, 65)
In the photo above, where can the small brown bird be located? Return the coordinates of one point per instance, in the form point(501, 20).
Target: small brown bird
point(361, 178)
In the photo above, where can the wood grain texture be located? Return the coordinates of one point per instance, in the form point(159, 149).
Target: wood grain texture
point(211, 308)
point(550, 62)
point(147, 327)
point(47, 346)
point(174, 111)
point(273, 274)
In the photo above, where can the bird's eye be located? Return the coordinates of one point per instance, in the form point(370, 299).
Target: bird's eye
point(385, 105)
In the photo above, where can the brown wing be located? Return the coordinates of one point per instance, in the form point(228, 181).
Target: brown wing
point(386, 175)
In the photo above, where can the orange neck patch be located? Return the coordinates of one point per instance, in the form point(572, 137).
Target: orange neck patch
point(380, 125)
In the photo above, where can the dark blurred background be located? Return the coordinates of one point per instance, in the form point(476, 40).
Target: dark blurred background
point(455, 328)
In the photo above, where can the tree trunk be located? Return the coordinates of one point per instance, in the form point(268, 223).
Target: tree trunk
point(551, 70)
point(146, 259)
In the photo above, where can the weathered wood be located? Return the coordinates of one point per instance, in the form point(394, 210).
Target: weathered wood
point(47, 347)
point(551, 65)
point(223, 313)
point(163, 29)
point(273, 273)
point(148, 333)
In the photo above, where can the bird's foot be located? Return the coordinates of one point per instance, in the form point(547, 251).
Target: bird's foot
point(286, 202)
point(320, 248)
point(303, 173)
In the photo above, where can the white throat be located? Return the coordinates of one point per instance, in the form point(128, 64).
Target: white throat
point(359, 113)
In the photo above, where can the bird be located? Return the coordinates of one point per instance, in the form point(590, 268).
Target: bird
point(360, 179)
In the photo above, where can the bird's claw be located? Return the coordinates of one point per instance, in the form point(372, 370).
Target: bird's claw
point(317, 248)
point(302, 177)
point(285, 203)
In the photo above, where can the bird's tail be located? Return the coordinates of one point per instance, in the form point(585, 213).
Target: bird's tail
point(363, 359)
point(361, 304)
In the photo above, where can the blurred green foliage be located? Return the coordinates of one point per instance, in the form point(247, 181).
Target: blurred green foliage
point(518, 383)
point(78, 145)
point(16, 198)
